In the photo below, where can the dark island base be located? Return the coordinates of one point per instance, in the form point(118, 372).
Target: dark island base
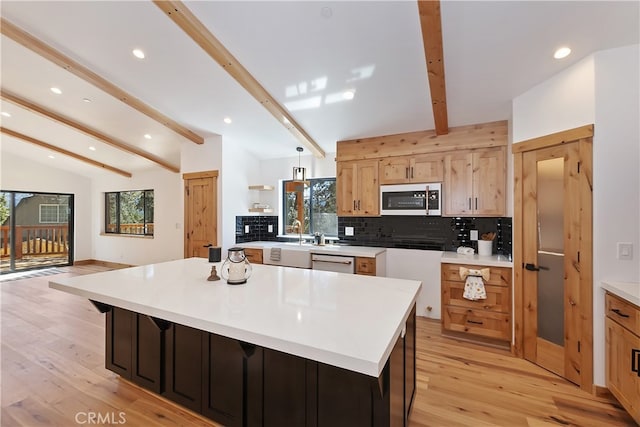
point(236, 383)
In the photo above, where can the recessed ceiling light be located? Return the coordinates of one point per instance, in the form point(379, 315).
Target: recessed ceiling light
point(563, 52)
point(227, 120)
point(56, 90)
point(138, 53)
point(4, 113)
point(86, 99)
point(348, 94)
point(51, 156)
point(147, 136)
point(92, 148)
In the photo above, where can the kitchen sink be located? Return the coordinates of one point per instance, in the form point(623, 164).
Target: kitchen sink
point(291, 255)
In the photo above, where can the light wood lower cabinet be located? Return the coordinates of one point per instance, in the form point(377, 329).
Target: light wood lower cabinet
point(623, 353)
point(366, 266)
point(487, 320)
point(254, 255)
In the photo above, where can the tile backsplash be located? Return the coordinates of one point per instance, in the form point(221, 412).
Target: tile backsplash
point(425, 232)
point(258, 228)
point(409, 232)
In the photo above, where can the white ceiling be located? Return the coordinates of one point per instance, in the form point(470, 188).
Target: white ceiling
point(493, 51)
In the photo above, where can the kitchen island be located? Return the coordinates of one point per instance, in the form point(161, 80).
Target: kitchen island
point(290, 347)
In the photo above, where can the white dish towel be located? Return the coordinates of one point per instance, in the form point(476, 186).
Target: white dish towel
point(474, 285)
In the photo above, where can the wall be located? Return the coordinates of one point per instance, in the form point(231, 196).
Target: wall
point(22, 174)
point(601, 89)
point(167, 242)
point(272, 171)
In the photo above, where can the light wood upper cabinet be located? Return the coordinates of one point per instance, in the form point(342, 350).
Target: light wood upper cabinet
point(409, 169)
point(475, 183)
point(358, 188)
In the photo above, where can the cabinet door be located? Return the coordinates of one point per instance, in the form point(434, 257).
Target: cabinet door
point(368, 188)
point(622, 358)
point(254, 255)
point(148, 340)
point(427, 168)
point(119, 337)
point(489, 182)
point(344, 188)
point(231, 374)
point(183, 366)
point(394, 170)
point(458, 183)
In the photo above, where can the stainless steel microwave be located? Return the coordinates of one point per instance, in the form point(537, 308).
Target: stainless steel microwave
point(411, 199)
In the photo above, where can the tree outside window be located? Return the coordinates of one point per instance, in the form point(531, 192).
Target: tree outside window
point(129, 212)
point(313, 203)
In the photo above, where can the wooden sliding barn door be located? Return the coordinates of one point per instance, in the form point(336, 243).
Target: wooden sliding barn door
point(200, 213)
point(553, 253)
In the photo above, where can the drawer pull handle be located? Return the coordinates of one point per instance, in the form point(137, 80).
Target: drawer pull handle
point(617, 311)
point(474, 322)
point(635, 359)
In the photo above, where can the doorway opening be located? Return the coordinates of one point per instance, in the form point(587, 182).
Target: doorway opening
point(36, 230)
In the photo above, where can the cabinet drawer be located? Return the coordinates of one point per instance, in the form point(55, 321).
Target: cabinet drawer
point(623, 312)
point(500, 276)
point(366, 266)
point(498, 297)
point(478, 322)
point(253, 255)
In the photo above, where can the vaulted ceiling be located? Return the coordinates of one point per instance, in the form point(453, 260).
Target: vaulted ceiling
point(305, 55)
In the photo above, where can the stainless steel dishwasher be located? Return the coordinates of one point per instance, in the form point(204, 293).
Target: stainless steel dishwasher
point(337, 263)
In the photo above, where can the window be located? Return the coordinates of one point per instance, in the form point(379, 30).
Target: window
point(53, 213)
point(313, 204)
point(129, 212)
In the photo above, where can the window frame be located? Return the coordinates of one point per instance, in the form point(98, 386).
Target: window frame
point(148, 227)
point(58, 206)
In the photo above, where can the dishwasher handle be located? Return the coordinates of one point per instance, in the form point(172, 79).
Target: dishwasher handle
point(333, 262)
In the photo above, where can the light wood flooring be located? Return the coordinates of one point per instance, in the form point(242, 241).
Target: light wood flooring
point(52, 373)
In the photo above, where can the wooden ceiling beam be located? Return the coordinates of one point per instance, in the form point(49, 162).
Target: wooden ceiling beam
point(63, 151)
point(30, 42)
point(431, 24)
point(85, 130)
point(191, 25)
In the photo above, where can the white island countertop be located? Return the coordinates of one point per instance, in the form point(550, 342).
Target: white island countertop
point(345, 320)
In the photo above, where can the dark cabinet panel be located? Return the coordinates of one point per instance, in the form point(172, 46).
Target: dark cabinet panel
point(148, 340)
point(232, 381)
point(119, 341)
point(344, 398)
point(410, 363)
point(396, 384)
point(285, 388)
point(183, 366)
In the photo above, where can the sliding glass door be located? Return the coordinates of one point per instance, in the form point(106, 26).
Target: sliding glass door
point(36, 230)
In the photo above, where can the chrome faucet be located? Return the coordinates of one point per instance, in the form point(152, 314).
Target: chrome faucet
point(297, 224)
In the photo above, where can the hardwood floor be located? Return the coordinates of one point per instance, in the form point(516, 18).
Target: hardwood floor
point(52, 351)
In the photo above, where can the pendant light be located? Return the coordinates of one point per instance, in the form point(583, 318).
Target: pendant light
point(299, 173)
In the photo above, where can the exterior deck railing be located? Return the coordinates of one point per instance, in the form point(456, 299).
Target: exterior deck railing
point(35, 240)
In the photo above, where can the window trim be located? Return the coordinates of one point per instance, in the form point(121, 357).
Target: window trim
point(144, 222)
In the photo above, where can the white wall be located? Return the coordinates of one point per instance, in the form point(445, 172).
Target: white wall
point(563, 102)
point(22, 174)
point(414, 264)
point(167, 241)
point(272, 171)
point(601, 89)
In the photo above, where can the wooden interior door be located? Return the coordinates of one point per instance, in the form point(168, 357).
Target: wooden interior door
point(539, 191)
point(200, 213)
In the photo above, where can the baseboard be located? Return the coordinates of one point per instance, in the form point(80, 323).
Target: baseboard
point(602, 392)
point(108, 264)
